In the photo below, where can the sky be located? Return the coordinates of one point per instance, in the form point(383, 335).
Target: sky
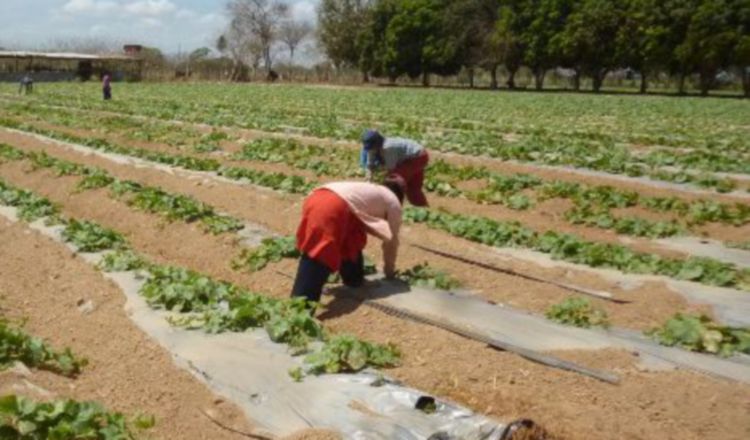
point(170, 25)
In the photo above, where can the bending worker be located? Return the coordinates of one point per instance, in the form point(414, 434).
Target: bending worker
point(402, 157)
point(336, 219)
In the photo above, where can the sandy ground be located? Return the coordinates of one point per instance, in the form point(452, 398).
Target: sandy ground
point(42, 283)
point(666, 405)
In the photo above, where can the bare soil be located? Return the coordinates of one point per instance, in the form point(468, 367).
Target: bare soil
point(42, 283)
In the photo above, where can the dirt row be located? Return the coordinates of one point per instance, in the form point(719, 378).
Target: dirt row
point(646, 405)
point(41, 284)
point(547, 215)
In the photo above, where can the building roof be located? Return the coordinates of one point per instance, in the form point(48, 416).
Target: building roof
point(63, 56)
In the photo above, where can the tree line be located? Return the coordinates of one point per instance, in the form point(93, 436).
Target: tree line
point(419, 38)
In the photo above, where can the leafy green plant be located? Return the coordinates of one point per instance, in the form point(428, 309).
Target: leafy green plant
point(10, 153)
point(25, 419)
point(700, 333)
point(176, 207)
point(346, 353)
point(121, 260)
point(577, 312)
point(90, 237)
point(95, 179)
point(183, 290)
point(271, 250)
point(427, 276)
point(30, 206)
point(17, 345)
point(576, 250)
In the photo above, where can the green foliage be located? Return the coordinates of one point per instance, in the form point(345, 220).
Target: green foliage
point(176, 207)
point(573, 249)
point(182, 290)
point(95, 179)
point(346, 353)
point(577, 312)
point(30, 206)
point(426, 276)
point(8, 152)
point(602, 218)
point(271, 250)
point(700, 333)
point(90, 237)
point(17, 345)
point(24, 419)
point(277, 181)
point(121, 260)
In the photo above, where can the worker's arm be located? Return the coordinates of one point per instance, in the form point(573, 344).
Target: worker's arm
point(390, 247)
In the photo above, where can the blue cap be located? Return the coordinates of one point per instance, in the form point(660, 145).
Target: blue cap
point(371, 139)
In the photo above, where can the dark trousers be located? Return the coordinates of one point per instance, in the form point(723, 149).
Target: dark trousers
point(107, 93)
point(312, 276)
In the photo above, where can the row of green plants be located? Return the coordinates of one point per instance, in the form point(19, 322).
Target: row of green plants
point(22, 418)
point(16, 345)
point(442, 178)
point(441, 117)
point(593, 204)
point(548, 143)
point(279, 181)
point(181, 137)
point(576, 250)
point(691, 332)
point(146, 198)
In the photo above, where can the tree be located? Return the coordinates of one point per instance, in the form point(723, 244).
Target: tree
point(244, 48)
point(542, 20)
point(221, 44)
point(506, 43)
point(473, 22)
point(292, 33)
point(642, 39)
point(258, 21)
point(419, 42)
point(586, 43)
point(678, 14)
point(741, 52)
point(712, 39)
point(341, 25)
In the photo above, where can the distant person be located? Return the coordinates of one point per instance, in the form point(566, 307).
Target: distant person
point(332, 234)
point(27, 85)
point(107, 86)
point(401, 157)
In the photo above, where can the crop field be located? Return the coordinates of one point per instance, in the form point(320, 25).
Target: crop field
point(646, 199)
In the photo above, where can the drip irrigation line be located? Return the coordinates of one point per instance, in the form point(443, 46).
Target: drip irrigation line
point(590, 292)
point(535, 356)
point(236, 431)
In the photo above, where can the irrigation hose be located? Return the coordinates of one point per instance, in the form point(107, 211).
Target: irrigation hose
point(593, 293)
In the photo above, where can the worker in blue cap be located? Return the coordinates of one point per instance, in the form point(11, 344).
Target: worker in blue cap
point(399, 157)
